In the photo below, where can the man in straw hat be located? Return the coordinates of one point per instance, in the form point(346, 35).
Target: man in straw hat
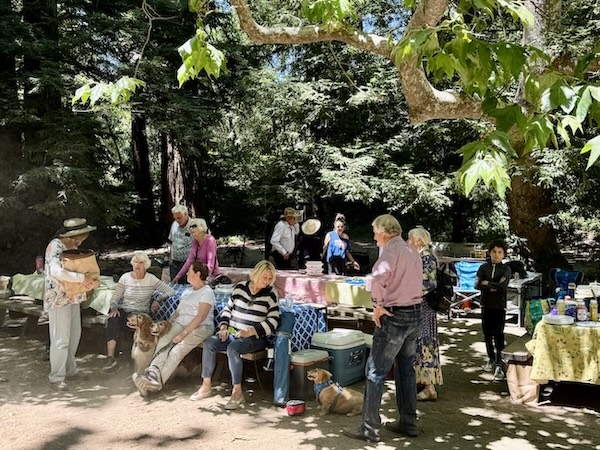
point(64, 317)
point(309, 242)
point(283, 239)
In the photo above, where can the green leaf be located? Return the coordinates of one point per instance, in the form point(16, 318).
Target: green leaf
point(82, 94)
point(593, 146)
point(501, 141)
point(583, 106)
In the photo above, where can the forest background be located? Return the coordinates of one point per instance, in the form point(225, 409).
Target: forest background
point(325, 126)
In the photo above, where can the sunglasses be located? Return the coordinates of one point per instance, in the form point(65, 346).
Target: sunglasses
point(193, 227)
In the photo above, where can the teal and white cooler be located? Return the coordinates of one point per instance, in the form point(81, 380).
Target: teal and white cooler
point(347, 352)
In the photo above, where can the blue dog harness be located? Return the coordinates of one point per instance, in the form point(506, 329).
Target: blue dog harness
point(320, 386)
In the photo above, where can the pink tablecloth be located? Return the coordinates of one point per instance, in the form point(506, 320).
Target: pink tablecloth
point(290, 283)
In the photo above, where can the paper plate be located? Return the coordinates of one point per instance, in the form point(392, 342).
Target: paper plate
point(558, 319)
point(22, 298)
point(588, 324)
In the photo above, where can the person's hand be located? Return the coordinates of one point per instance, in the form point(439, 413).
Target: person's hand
point(155, 306)
point(180, 337)
point(378, 312)
point(356, 265)
point(246, 333)
point(484, 283)
point(175, 280)
point(88, 282)
point(286, 256)
point(114, 312)
point(223, 333)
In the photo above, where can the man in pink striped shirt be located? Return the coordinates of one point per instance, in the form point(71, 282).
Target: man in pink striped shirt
point(397, 295)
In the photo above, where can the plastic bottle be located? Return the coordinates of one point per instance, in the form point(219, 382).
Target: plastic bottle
point(560, 306)
point(582, 312)
point(594, 310)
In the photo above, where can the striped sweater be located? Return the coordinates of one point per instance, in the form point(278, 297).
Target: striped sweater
point(245, 310)
point(132, 295)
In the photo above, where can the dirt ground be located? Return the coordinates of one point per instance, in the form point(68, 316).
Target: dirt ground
point(105, 411)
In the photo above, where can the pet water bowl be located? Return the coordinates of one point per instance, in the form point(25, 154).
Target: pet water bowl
point(295, 407)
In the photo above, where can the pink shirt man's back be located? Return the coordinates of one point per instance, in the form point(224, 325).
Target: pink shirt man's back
point(397, 275)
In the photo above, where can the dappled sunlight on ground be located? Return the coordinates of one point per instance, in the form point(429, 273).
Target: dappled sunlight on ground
point(105, 411)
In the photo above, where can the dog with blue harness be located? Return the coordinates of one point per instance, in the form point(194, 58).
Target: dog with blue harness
point(333, 398)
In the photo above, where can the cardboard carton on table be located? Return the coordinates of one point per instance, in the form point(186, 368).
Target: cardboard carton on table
point(348, 291)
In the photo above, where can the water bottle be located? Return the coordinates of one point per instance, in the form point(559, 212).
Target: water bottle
point(594, 310)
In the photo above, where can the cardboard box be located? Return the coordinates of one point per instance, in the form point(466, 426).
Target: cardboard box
point(348, 292)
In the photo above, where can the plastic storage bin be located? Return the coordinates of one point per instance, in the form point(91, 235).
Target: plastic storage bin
point(301, 388)
point(347, 351)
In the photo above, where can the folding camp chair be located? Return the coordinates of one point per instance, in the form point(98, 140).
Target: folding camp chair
point(465, 294)
point(561, 279)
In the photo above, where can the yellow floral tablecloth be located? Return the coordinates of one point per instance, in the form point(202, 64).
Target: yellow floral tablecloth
point(565, 353)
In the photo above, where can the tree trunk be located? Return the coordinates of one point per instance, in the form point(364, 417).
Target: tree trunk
point(527, 203)
point(142, 180)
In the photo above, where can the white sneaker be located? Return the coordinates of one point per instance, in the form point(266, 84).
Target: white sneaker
point(499, 374)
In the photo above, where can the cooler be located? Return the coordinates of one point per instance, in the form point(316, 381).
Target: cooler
point(301, 388)
point(347, 351)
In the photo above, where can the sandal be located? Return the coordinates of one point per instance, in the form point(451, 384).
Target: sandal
point(427, 394)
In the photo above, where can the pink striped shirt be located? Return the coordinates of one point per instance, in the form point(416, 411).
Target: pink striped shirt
point(397, 275)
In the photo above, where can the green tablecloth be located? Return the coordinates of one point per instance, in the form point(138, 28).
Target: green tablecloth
point(33, 286)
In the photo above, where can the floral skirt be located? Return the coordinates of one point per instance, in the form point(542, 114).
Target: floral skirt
point(427, 363)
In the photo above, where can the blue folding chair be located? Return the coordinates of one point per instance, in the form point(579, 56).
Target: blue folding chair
point(464, 292)
point(561, 279)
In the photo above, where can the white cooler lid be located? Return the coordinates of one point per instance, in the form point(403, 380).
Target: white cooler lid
point(308, 356)
point(338, 338)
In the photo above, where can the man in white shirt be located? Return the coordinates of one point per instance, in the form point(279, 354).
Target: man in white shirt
point(283, 240)
point(180, 240)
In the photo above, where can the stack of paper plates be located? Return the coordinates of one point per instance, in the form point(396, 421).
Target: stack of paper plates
point(558, 319)
point(588, 324)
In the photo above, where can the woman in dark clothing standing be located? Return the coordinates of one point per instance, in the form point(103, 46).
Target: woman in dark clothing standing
point(492, 279)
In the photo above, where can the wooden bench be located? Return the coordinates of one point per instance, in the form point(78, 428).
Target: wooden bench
point(34, 311)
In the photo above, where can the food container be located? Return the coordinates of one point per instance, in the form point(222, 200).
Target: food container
point(314, 268)
point(295, 407)
point(348, 353)
point(4, 280)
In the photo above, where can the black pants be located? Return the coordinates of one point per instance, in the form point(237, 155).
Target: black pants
point(492, 324)
point(281, 263)
point(337, 265)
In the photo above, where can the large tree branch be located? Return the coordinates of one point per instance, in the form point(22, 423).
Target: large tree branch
point(309, 34)
point(424, 101)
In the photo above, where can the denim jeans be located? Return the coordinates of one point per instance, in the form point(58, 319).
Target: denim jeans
point(394, 342)
point(235, 348)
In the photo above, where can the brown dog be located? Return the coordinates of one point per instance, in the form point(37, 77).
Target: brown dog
point(144, 343)
point(160, 328)
point(332, 397)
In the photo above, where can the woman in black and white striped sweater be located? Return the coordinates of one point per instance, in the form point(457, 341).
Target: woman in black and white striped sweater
point(251, 315)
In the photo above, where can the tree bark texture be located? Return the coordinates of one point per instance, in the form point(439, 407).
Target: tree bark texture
point(142, 179)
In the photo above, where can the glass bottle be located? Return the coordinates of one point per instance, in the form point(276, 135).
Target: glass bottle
point(594, 310)
point(560, 306)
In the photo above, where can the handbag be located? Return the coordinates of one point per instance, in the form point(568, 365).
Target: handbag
point(219, 279)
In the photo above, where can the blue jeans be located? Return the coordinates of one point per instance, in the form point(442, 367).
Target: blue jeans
point(235, 348)
point(394, 342)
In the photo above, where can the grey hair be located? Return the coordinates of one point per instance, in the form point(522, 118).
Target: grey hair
point(179, 209)
point(141, 256)
point(421, 233)
point(387, 224)
point(199, 224)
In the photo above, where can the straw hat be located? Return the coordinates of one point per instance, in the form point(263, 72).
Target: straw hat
point(75, 227)
point(311, 226)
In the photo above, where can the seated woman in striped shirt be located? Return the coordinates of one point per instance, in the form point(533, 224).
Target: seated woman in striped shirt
point(251, 315)
point(132, 295)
